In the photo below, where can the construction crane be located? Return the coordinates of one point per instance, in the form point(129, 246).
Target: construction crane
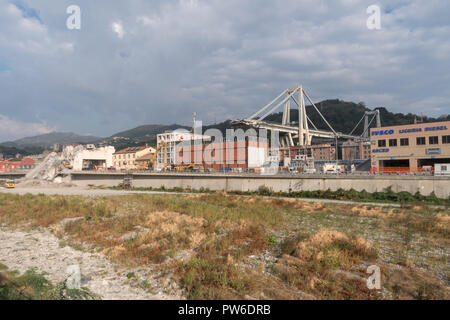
point(289, 135)
point(158, 149)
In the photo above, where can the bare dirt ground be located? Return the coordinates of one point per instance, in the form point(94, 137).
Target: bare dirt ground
point(40, 249)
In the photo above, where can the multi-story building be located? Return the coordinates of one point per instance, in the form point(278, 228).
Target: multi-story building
point(355, 150)
point(320, 152)
point(144, 162)
point(125, 159)
point(223, 155)
point(168, 142)
point(411, 147)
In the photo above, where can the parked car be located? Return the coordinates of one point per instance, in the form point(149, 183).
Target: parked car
point(10, 184)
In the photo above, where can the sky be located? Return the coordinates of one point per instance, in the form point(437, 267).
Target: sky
point(139, 62)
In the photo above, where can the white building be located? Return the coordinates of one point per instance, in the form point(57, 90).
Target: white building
point(93, 159)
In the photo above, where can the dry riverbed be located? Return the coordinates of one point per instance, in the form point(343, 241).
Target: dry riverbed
point(198, 246)
point(40, 249)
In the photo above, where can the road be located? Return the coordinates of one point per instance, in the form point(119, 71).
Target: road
point(78, 191)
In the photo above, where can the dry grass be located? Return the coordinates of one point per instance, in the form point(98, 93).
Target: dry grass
point(319, 251)
point(142, 229)
point(317, 263)
point(34, 286)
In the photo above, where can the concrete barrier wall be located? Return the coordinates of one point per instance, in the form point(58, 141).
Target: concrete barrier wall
point(12, 175)
point(425, 185)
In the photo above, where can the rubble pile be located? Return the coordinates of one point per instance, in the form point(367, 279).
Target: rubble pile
point(51, 170)
point(48, 169)
point(70, 152)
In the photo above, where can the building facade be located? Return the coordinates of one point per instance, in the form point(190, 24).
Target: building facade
point(144, 162)
point(320, 152)
point(410, 148)
point(94, 159)
point(224, 155)
point(126, 159)
point(356, 150)
point(168, 141)
point(17, 164)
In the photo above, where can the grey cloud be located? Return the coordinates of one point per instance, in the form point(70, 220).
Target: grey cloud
point(222, 59)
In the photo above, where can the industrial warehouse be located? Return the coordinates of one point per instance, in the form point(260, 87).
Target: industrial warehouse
point(410, 148)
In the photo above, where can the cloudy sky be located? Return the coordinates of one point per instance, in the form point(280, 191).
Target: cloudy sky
point(140, 62)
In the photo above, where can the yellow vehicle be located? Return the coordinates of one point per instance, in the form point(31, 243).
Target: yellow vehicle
point(152, 160)
point(10, 184)
point(67, 165)
point(189, 167)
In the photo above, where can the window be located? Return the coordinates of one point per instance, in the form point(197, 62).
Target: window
point(392, 142)
point(446, 139)
point(433, 140)
point(404, 142)
point(381, 143)
point(420, 141)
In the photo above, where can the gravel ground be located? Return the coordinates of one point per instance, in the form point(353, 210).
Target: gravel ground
point(41, 250)
point(72, 191)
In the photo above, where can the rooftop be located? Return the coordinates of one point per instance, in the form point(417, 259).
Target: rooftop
point(131, 150)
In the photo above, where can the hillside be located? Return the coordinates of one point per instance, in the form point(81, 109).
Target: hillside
point(343, 116)
point(47, 140)
point(141, 135)
point(11, 152)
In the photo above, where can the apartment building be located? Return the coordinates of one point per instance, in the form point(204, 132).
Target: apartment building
point(356, 150)
point(126, 159)
point(17, 164)
point(320, 152)
point(168, 141)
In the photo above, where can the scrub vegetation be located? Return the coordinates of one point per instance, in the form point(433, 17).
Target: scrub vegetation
point(34, 286)
point(218, 246)
point(386, 196)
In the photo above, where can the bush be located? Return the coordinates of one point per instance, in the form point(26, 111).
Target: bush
point(264, 191)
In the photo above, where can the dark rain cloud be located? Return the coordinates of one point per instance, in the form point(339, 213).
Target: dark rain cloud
point(139, 62)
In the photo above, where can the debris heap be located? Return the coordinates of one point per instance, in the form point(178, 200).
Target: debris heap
point(53, 169)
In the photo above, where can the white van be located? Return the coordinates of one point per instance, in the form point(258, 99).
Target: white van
point(442, 169)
